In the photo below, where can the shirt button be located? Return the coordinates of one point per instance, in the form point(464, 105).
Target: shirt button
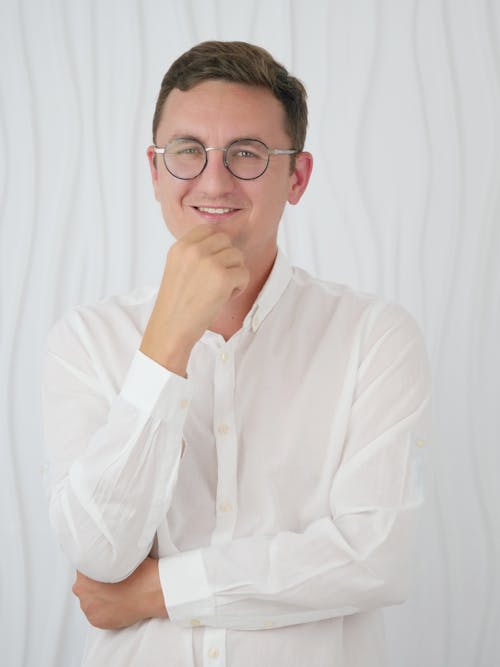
point(255, 321)
point(225, 506)
point(195, 622)
point(269, 624)
point(184, 403)
point(224, 356)
point(420, 442)
point(213, 652)
point(223, 429)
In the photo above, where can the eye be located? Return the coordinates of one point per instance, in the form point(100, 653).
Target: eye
point(243, 152)
point(185, 147)
point(248, 150)
point(188, 150)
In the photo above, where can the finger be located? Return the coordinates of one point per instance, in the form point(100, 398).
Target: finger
point(197, 246)
point(239, 278)
point(230, 257)
point(215, 242)
point(199, 233)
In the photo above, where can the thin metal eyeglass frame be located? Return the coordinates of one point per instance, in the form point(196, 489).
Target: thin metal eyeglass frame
point(270, 151)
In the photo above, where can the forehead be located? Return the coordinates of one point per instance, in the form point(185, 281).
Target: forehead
point(223, 110)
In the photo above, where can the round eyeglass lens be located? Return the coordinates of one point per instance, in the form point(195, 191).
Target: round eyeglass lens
point(247, 158)
point(185, 158)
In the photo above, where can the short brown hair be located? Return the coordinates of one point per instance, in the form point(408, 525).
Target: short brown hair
point(238, 62)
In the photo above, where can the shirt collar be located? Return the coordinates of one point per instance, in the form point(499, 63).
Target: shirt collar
point(270, 293)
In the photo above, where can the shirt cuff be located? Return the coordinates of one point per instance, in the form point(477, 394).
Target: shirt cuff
point(188, 596)
point(145, 381)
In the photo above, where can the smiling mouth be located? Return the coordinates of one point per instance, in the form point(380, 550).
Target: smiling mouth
point(215, 211)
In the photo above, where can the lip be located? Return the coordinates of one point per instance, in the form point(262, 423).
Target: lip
point(216, 217)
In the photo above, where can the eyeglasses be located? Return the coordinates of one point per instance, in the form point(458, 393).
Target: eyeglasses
point(246, 159)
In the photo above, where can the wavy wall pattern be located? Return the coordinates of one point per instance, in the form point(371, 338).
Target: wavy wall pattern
point(405, 202)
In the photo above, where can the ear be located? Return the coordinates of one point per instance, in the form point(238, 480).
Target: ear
point(300, 176)
point(154, 171)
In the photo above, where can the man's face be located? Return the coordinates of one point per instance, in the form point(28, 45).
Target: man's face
point(216, 113)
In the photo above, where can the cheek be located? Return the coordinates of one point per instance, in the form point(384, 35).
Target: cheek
point(272, 199)
point(171, 195)
point(171, 208)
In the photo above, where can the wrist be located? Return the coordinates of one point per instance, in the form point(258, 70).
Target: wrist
point(172, 353)
point(152, 600)
point(154, 605)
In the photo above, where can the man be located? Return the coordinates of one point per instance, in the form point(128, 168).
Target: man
point(235, 454)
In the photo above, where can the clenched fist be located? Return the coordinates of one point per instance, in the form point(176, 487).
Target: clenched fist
point(202, 272)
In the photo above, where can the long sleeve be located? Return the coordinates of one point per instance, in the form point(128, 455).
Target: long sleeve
point(113, 452)
point(356, 558)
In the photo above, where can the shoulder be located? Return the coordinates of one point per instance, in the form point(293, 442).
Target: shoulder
point(339, 299)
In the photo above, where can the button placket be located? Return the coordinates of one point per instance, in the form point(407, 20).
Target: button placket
point(214, 647)
point(226, 445)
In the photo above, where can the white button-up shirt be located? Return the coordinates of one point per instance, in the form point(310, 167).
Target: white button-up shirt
point(279, 484)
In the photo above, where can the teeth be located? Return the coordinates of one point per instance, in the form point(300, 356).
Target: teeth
point(217, 211)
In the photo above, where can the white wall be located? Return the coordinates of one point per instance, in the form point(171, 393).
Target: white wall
point(405, 201)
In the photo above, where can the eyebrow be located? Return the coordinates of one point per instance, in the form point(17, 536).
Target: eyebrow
point(185, 135)
point(192, 137)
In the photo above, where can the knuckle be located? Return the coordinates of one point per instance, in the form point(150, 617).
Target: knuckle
point(222, 238)
point(219, 274)
point(93, 620)
point(174, 250)
point(92, 615)
point(192, 252)
point(245, 276)
point(178, 250)
point(238, 255)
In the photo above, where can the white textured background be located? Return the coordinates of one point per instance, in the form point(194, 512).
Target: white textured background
point(405, 201)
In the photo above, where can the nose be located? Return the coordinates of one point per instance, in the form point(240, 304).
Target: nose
point(216, 179)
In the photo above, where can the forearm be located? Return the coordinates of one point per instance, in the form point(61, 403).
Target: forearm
point(107, 504)
point(291, 578)
point(259, 583)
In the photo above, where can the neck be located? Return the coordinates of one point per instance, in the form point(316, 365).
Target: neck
point(230, 318)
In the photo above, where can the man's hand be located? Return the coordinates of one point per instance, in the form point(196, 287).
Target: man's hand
point(202, 272)
point(112, 606)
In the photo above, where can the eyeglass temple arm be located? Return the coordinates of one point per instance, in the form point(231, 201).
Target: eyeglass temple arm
point(282, 151)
